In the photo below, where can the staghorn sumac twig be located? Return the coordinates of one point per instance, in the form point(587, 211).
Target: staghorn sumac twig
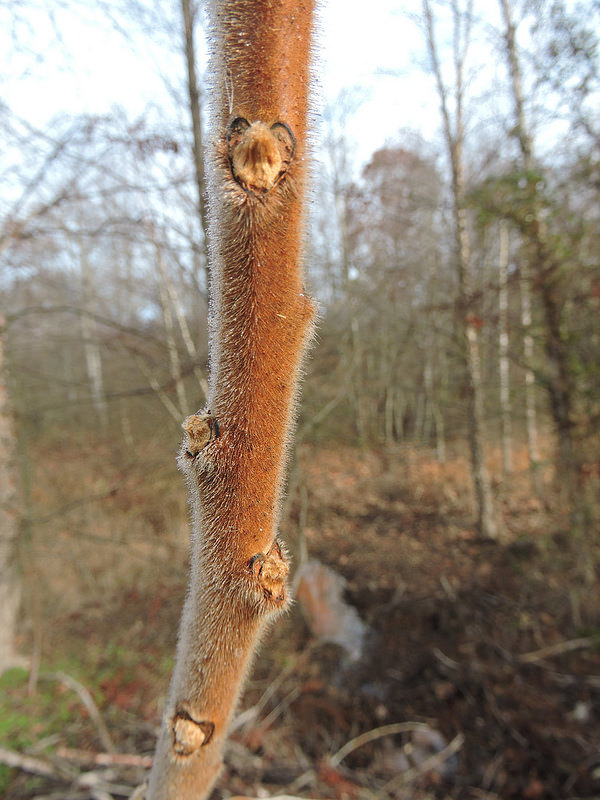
point(233, 452)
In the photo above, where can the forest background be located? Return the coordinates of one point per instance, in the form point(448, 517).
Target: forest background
point(448, 432)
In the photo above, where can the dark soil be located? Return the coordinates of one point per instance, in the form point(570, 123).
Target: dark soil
point(494, 646)
point(475, 638)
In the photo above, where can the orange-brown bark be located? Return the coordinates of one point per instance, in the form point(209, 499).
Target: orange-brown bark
point(233, 452)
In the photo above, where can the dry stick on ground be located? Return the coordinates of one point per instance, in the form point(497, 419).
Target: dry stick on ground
point(233, 453)
point(97, 783)
point(556, 650)
point(35, 766)
point(434, 762)
point(374, 734)
point(88, 702)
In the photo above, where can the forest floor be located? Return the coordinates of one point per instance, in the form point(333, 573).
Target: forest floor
point(485, 656)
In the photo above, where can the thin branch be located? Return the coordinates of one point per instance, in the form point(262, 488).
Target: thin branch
point(427, 765)
point(250, 714)
point(234, 452)
point(88, 703)
point(35, 766)
point(373, 735)
point(556, 650)
point(94, 782)
point(158, 390)
point(104, 759)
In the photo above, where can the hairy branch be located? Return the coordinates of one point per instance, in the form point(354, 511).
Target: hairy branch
point(233, 452)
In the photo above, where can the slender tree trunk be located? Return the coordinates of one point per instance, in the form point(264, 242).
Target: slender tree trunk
point(353, 347)
point(10, 582)
point(188, 16)
point(528, 350)
point(561, 383)
point(503, 342)
point(91, 345)
point(525, 145)
point(544, 264)
point(454, 136)
point(436, 417)
point(440, 435)
point(486, 522)
point(358, 368)
point(233, 452)
point(352, 343)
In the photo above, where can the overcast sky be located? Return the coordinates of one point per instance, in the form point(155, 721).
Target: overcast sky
point(78, 63)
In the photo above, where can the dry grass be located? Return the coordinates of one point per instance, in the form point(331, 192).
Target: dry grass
point(98, 526)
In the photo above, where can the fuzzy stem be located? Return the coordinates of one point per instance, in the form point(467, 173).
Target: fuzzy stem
point(233, 452)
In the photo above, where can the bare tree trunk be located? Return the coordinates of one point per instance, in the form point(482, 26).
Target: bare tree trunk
point(486, 522)
point(526, 148)
point(233, 452)
point(454, 136)
point(188, 16)
point(358, 372)
point(353, 347)
point(544, 263)
point(10, 583)
point(521, 131)
point(503, 342)
point(440, 435)
point(436, 415)
point(530, 408)
point(91, 345)
point(337, 150)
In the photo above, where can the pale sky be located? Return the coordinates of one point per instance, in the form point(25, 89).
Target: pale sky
point(90, 67)
point(379, 50)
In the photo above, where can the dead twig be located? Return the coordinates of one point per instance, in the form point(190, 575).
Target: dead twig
point(501, 718)
point(61, 794)
point(428, 765)
point(571, 680)
point(555, 650)
point(305, 779)
point(140, 792)
point(104, 759)
point(249, 715)
point(99, 794)
point(281, 707)
point(34, 766)
point(98, 784)
point(373, 735)
point(445, 660)
point(88, 703)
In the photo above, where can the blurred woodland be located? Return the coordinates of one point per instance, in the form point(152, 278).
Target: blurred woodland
point(446, 463)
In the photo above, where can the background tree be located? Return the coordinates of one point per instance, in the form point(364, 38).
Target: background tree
point(10, 578)
point(454, 135)
point(551, 230)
